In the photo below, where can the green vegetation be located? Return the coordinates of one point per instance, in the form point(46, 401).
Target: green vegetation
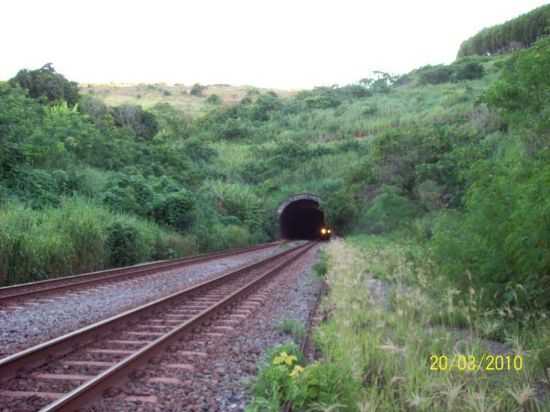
point(520, 32)
point(384, 333)
point(78, 236)
point(387, 153)
point(465, 69)
point(400, 336)
point(449, 204)
point(502, 235)
point(282, 377)
point(294, 328)
point(321, 267)
point(144, 187)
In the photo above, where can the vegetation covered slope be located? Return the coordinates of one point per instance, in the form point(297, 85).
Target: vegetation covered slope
point(444, 305)
point(456, 155)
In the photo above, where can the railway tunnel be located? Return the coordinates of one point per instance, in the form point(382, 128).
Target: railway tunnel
point(301, 217)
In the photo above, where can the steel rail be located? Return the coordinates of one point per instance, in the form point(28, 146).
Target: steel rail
point(41, 354)
point(26, 290)
point(86, 393)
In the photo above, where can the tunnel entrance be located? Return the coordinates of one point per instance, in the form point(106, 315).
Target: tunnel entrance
point(301, 217)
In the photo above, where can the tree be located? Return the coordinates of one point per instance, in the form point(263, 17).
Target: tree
point(47, 83)
point(197, 90)
point(19, 116)
point(520, 32)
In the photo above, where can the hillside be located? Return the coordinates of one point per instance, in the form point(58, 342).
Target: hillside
point(384, 143)
point(177, 95)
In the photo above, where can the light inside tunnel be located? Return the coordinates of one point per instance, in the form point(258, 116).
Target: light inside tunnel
point(302, 219)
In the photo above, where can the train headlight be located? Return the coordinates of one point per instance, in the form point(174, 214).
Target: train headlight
point(323, 231)
point(328, 231)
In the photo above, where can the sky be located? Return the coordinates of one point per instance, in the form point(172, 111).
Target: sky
point(286, 44)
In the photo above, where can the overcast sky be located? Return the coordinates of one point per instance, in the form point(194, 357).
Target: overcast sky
point(265, 43)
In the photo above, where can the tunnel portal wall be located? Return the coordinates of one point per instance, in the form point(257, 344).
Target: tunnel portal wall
point(301, 217)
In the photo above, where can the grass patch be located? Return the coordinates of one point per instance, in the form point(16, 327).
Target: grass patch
point(294, 328)
point(321, 267)
point(386, 342)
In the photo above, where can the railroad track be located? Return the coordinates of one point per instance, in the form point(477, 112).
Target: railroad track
point(11, 294)
point(69, 372)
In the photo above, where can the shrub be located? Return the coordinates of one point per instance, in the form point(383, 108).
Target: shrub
point(323, 384)
point(213, 99)
point(233, 129)
point(282, 379)
point(274, 386)
point(141, 122)
point(430, 194)
point(469, 71)
point(342, 208)
point(174, 209)
point(173, 123)
point(197, 90)
point(172, 246)
point(93, 107)
point(263, 106)
point(238, 200)
point(521, 95)
point(436, 74)
point(388, 211)
point(502, 237)
point(122, 244)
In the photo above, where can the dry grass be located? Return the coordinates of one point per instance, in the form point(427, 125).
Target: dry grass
point(178, 95)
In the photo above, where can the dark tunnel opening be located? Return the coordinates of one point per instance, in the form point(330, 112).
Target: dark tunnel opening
point(302, 219)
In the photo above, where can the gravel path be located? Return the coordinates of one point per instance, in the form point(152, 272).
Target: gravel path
point(220, 382)
point(43, 319)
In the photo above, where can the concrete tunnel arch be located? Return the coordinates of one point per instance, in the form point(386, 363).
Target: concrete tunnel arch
point(301, 217)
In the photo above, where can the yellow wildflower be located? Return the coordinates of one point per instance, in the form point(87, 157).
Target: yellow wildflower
point(296, 371)
point(284, 358)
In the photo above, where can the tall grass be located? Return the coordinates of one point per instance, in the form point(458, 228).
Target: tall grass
point(36, 244)
point(382, 330)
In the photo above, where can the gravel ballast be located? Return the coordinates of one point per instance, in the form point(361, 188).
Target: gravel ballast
point(220, 379)
point(37, 321)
